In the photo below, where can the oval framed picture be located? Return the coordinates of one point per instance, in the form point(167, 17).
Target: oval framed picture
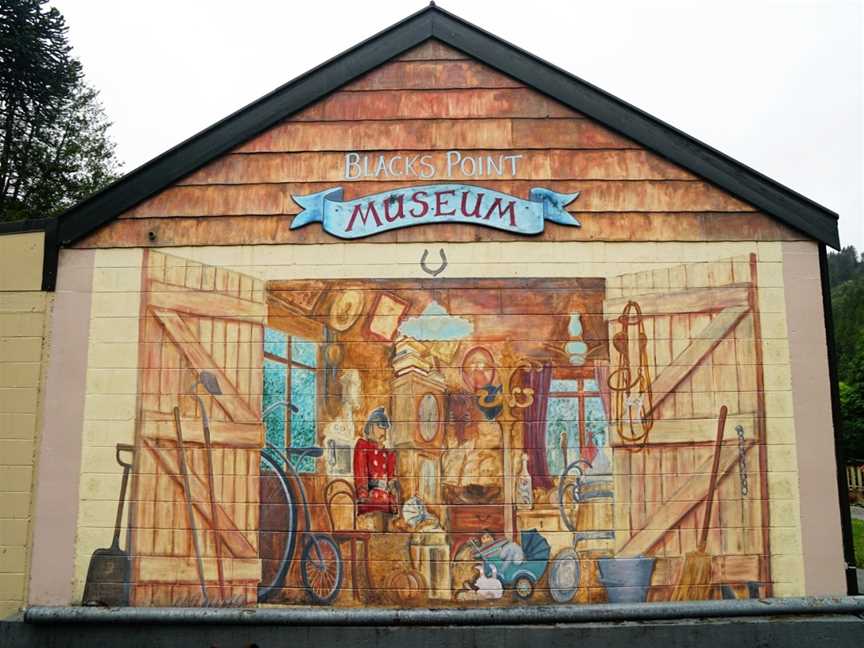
point(478, 368)
point(428, 416)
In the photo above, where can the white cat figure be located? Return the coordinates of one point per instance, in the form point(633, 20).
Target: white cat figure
point(488, 587)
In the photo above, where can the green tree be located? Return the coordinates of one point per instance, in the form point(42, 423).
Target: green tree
point(847, 304)
point(54, 146)
point(846, 274)
point(852, 405)
point(843, 266)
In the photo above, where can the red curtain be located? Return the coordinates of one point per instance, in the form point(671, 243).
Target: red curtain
point(534, 427)
point(589, 451)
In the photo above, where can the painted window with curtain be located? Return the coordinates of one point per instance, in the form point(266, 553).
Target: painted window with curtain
point(289, 375)
point(575, 415)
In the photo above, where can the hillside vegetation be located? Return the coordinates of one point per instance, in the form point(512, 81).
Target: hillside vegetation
point(846, 273)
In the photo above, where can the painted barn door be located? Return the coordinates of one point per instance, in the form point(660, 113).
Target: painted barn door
point(197, 318)
point(702, 350)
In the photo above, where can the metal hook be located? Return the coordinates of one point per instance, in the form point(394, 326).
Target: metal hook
point(437, 270)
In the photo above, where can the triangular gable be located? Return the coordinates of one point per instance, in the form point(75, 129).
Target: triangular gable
point(513, 75)
point(425, 104)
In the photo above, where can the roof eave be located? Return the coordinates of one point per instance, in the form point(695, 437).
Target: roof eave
point(731, 176)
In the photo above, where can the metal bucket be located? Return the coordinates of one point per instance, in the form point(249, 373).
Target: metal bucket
point(626, 579)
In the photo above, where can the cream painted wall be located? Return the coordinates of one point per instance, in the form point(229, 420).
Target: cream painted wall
point(24, 315)
point(21, 261)
point(109, 411)
point(109, 401)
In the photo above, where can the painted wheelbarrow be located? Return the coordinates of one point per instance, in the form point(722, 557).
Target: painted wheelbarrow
point(521, 575)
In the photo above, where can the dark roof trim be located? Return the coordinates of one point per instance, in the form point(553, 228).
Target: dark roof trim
point(741, 181)
point(25, 225)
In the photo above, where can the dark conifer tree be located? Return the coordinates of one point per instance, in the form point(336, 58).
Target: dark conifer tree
point(54, 144)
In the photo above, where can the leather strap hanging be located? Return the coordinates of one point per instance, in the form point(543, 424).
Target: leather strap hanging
point(632, 386)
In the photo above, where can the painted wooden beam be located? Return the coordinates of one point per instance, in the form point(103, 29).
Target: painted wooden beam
point(205, 304)
point(693, 300)
point(690, 431)
point(288, 318)
point(160, 427)
point(235, 405)
point(685, 499)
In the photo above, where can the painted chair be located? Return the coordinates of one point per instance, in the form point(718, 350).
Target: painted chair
point(343, 525)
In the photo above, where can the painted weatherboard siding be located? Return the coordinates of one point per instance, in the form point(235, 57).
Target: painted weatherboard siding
point(432, 102)
point(24, 315)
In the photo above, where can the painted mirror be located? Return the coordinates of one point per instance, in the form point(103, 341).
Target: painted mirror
point(428, 416)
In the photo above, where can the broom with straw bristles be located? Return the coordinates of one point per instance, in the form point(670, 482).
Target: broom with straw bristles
point(696, 575)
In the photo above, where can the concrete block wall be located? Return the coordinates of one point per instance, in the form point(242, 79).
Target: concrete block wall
point(24, 310)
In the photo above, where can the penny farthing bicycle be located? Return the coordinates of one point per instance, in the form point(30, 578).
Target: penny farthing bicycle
point(321, 567)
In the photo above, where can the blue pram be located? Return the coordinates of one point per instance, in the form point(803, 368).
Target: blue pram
point(522, 576)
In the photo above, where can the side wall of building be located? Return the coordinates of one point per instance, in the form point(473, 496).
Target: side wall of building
point(801, 528)
point(24, 314)
point(821, 540)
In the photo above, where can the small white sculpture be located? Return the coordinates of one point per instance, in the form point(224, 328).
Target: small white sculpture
point(488, 587)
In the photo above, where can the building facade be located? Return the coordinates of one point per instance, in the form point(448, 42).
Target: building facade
point(435, 325)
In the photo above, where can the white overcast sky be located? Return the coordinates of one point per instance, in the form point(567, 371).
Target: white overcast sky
point(776, 85)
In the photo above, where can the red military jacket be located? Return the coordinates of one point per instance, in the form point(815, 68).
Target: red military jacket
point(374, 467)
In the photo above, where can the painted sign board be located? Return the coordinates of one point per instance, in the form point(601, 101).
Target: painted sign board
point(438, 203)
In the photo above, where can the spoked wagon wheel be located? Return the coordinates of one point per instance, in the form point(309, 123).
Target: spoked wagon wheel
point(406, 587)
point(523, 587)
point(321, 568)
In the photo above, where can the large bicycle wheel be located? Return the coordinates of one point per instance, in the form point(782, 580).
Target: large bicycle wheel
point(321, 568)
point(277, 527)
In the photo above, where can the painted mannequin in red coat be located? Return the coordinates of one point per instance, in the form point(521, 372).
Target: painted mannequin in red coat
point(375, 467)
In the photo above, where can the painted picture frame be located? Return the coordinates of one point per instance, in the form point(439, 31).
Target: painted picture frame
point(385, 315)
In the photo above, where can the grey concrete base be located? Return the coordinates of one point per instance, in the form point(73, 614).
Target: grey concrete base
point(563, 614)
point(835, 631)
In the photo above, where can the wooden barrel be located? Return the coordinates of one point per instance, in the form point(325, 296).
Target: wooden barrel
point(595, 517)
point(591, 589)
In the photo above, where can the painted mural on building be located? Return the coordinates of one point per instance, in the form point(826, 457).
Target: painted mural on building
point(442, 442)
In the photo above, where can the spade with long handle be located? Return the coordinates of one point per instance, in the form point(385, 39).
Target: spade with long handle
point(187, 492)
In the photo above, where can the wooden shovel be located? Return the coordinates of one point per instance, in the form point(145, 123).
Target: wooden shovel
point(696, 575)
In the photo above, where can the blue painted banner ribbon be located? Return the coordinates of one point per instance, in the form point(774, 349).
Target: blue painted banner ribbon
point(439, 203)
